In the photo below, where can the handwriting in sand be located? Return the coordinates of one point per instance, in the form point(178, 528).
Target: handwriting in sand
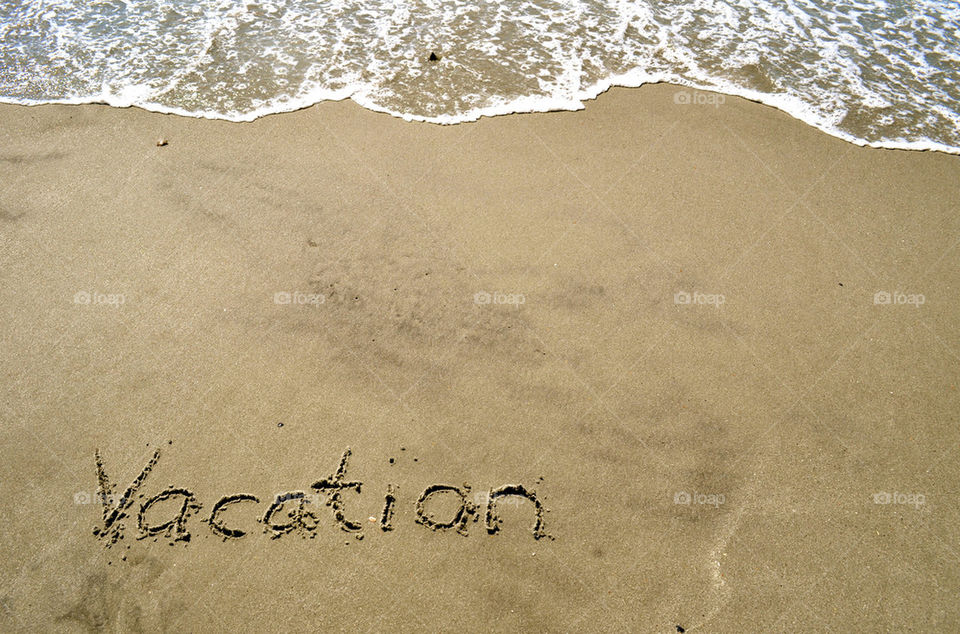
point(293, 512)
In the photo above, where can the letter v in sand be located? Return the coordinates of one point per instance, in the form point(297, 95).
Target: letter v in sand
point(115, 509)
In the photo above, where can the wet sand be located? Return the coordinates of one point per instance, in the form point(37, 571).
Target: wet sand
point(718, 347)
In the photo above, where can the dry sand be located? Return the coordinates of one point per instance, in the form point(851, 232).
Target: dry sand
point(785, 460)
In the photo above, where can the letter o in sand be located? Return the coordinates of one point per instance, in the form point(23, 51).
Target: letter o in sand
point(463, 515)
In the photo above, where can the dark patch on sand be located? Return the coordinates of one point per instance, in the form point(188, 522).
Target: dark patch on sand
point(20, 159)
point(106, 604)
point(7, 216)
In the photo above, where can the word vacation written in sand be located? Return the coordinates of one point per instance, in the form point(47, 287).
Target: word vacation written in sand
point(167, 514)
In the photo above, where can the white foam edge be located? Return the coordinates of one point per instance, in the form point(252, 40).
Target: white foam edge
point(526, 104)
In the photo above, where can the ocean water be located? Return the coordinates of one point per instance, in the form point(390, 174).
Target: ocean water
point(873, 72)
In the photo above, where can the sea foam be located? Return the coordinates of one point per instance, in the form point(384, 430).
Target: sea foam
point(885, 74)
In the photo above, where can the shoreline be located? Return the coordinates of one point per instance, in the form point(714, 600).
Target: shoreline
point(787, 105)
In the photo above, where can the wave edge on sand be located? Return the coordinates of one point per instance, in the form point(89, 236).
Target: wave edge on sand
point(521, 105)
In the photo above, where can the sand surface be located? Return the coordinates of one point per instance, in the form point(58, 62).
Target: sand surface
point(658, 319)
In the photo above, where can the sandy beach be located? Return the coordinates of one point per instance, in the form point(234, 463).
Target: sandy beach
point(715, 350)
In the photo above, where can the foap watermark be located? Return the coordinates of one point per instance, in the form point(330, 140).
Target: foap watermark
point(482, 298)
point(482, 498)
point(706, 499)
point(84, 497)
point(87, 298)
point(307, 498)
point(688, 97)
point(883, 298)
point(916, 500)
point(683, 298)
point(298, 298)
